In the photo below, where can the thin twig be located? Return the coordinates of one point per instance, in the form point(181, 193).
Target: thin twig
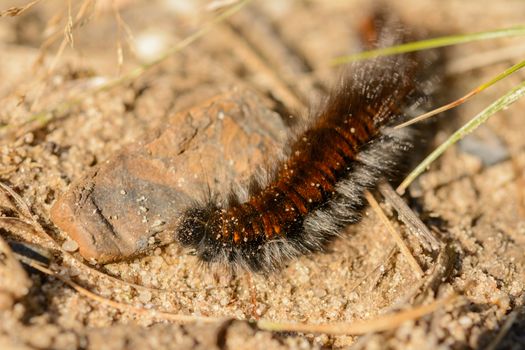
point(395, 235)
point(21, 206)
point(433, 279)
point(511, 318)
point(408, 217)
point(165, 315)
point(379, 324)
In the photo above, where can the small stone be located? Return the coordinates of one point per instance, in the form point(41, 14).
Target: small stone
point(157, 223)
point(70, 246)
point(465, 321)
point(145, 296)
point(144, 177)
point(29, 138)
point(261, 309)
point(320, 292)
point(42, 336)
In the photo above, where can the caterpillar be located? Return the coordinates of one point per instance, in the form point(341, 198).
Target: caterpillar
point(317, 187)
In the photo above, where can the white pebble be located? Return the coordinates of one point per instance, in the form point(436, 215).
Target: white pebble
point(70, 245)
point(145, 296)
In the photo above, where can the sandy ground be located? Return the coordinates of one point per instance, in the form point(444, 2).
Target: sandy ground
point(472, 198)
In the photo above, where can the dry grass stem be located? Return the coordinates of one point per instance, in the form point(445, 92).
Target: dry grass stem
point(409, 218)
point(17, 11)
point(379, 324)
point(511, 318)
point(418, 271)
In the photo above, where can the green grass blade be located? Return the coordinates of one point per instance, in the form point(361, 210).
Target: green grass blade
point(502, 75)
point(431, 44)
point(466, 97)
point(503, 102)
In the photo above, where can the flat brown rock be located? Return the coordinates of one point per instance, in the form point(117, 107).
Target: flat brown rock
point(132, 201)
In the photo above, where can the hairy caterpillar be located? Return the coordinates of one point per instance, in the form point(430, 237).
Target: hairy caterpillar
point(317, 187)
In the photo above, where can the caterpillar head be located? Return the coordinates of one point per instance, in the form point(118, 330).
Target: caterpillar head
point(198, 228)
